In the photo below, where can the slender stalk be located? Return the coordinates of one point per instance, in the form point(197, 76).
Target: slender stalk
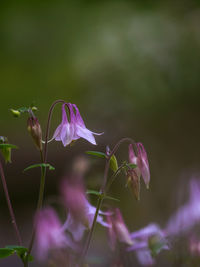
point(48, 126)
point(101, 196)
point(43, 176)
point(12, 215)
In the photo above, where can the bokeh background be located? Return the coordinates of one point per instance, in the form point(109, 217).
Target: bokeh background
point(132, 68)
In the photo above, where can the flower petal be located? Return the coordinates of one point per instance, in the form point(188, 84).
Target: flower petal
point(86, 134)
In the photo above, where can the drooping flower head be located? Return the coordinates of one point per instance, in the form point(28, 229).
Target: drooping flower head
point(49, 233)
point(35, 130)
point(141, 161)
point(118, 229)
point(73, 128)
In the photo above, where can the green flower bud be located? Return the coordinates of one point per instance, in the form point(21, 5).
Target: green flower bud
point(16, 113)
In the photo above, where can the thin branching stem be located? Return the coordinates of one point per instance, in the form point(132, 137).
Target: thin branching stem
point(101, 196)
point(12, 215)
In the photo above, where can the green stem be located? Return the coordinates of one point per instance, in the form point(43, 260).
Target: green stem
point(101, 196)
point(86, 247)
point(43, 175)
point(12, 215)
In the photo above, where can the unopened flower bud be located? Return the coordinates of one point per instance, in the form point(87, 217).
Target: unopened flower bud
point(133, 182)
point(35, 131)
point(34, 108)
point(16, 113)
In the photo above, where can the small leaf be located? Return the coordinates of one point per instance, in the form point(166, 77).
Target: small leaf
point(111, 198)
point(8, 146)
point(6, 151)
point(113, 163)
point(5, 252)
point(44, 165)
point(96, 153)
point(21, 252)
point(93, 192)
point(131, 165)
point(23, 109)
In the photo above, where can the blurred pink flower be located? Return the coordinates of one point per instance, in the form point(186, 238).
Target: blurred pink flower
point(49, 233)
point(145, 241)
point(74, 129)
point(81, 212)
point(117, 229)
point(187, 215)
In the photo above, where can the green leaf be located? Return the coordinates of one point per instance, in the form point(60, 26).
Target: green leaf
point(96, 153)
point(21, 252)
point(6, 151)
point(42, 165)
point(113, 163)
point(131, 165)
point(8, 146)
point(93, 192)
point(5, 252)
point(23, 109)
point(111, 198)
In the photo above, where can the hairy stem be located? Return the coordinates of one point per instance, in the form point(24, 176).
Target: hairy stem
point(12, 215)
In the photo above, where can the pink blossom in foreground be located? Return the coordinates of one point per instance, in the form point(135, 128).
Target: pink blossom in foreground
point(49, 233)
point(187, 215)
point(141, 161)
point(81, 212)
point(117, 230)
point(145, 240)
point(73, 129)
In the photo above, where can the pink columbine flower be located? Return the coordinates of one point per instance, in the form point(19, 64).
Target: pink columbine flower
point(141, 161)
point(49, 233)
point(73, 129)
point(118, 229)
point(81, 212)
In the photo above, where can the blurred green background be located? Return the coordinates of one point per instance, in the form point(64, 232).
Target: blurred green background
point(132, 68)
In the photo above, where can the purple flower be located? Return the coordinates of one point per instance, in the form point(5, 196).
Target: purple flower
point(73, 129)
point(49, 233)
point(81, 212)
point(187, 215)
point(77, 228)
point(141, 161)
point(117, 229)
point(150, 239)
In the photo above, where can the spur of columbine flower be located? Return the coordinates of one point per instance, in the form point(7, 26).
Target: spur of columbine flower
point(141, 161)
point(81, 212)
point(49, 233)
point(74, 128)
point(148, 242)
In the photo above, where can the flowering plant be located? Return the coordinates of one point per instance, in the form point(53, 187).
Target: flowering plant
point(66, 241)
